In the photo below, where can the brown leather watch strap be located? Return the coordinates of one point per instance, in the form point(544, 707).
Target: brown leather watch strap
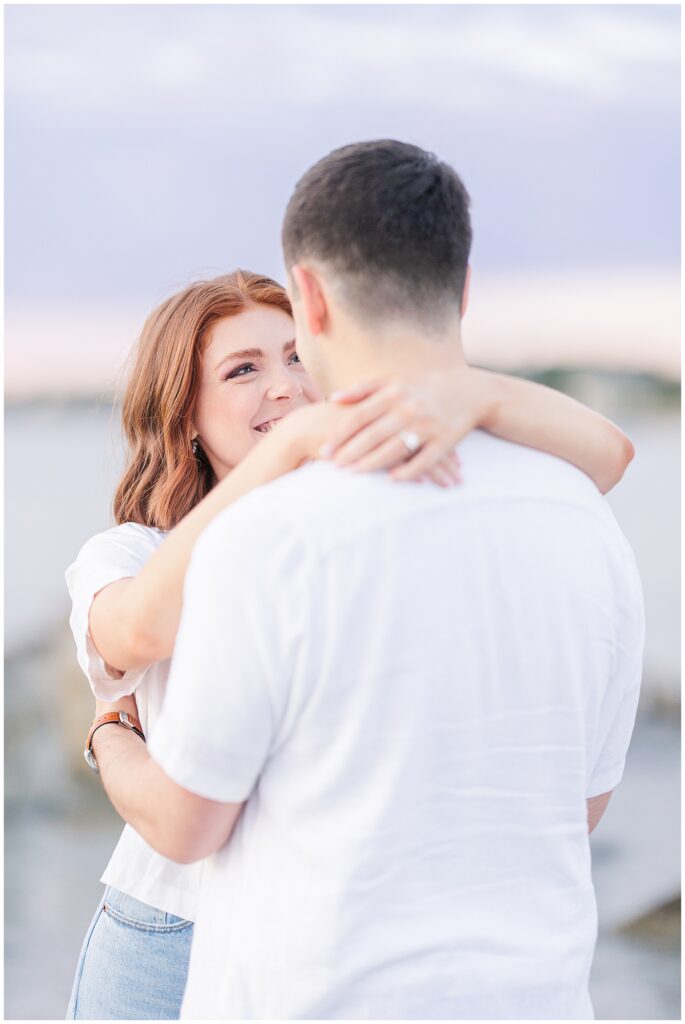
point(113, 716)
point(122, 718)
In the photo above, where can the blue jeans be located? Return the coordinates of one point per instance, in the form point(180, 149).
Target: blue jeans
point(133, 964)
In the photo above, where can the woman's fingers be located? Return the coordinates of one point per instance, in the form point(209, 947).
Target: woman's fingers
point(388, 455)
point(366, 412)
point(424, 460)
point(368, 436)
point(414, 410)
point(439, 465)
point(444, 471)
point(449, 466)
point(454, 463)
point(365, 442)
point(380, 446)
point(392, 452)
point(440, 477)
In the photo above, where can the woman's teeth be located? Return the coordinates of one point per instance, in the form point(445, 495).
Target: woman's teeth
point(265, 427)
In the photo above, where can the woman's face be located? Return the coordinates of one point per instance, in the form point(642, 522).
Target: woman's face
point(251, 376)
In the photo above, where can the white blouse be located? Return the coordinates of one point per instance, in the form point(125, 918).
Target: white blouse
point(134, 868)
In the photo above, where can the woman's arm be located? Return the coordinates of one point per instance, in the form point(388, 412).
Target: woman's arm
point(517, 410)
point(542, 418)
point(178, 824)
point(133, 622)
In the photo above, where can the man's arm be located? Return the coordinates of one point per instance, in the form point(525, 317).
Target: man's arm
point(177, 823)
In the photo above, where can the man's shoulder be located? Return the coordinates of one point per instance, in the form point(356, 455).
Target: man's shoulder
point(271, 512)
point(509, 465)
point(493, 468)
point(303, 509)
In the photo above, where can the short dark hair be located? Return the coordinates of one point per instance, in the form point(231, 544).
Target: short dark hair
point(392, 222)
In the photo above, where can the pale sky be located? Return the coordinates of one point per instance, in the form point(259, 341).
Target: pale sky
point(147, 145)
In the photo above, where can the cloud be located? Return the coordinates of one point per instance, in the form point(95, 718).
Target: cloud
point(462, 58)
point(144, 142)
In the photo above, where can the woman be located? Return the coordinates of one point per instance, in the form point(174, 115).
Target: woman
point(217, 404)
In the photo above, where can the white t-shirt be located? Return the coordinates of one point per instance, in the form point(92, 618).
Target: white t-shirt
point(414, 690)
point(134, 868)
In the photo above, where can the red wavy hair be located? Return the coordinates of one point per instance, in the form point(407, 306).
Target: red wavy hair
point(164, 478)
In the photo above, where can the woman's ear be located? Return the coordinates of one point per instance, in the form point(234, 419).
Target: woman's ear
point(465, 293)
point(311, 298)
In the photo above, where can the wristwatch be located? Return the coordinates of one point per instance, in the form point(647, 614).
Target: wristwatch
point(116, 718)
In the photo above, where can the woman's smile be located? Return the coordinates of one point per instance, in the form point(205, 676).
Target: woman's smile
point(265, 427)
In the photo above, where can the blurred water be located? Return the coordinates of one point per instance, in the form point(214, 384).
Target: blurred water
point(647, 505)
point(61, 467)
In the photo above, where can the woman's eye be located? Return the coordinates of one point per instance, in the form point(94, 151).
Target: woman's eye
point(295, 358)
point(240, 371)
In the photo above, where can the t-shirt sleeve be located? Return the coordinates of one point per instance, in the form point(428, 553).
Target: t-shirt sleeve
point(618, 710)
point(113, 555)
point(242, 620)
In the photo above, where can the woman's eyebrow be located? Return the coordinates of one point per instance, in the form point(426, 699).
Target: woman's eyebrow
point(251, 353)
point(246, 353)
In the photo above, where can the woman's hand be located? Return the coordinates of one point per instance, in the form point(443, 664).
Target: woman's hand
point(442, 407)
point(370, 427)
point(363, 426)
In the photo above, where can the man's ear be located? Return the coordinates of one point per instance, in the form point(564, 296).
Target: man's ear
point(465, 293)
point(312, 298)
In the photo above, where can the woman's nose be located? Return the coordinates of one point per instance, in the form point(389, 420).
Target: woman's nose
point(284, 384)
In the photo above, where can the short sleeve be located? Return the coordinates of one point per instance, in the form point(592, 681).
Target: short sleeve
point(242, 620)
point(113, 555)
point(619, 708)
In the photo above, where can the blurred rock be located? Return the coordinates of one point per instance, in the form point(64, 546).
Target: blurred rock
point(660, 927)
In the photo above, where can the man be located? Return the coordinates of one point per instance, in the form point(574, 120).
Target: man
point(393, 710)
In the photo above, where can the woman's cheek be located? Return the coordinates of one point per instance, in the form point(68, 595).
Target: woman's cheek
point(237, 434)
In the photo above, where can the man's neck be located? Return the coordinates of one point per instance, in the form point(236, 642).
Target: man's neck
point(400, 353)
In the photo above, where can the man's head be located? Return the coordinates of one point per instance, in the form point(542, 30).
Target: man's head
point(384, 228)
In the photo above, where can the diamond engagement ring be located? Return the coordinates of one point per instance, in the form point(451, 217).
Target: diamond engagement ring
point(410, 440)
